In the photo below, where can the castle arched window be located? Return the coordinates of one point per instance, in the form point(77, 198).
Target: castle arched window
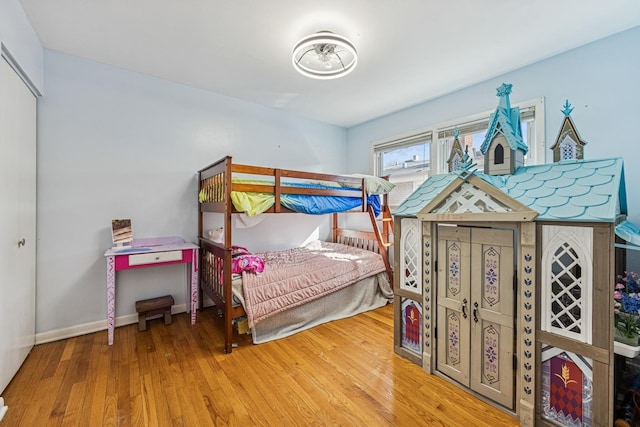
point(568, 149)
point(411, 255)
point(567, 281)
point(456, 163)
point(498, 155)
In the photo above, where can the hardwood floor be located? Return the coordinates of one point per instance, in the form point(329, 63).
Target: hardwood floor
point(342, 373)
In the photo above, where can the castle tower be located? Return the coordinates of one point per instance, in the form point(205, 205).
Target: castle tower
point(568, 145)
point(503, 148)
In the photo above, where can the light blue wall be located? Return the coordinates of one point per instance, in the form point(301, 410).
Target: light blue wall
point(116, 144)
point(601, 80)
point(19, 38)
point(112, 143)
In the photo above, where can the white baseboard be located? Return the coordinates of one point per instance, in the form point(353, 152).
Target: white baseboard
point(101, 325)
point(3, 408)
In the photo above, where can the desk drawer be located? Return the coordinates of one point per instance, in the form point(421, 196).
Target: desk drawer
point(154, 257)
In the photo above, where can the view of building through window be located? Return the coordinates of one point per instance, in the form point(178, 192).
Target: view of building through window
point(405, 166)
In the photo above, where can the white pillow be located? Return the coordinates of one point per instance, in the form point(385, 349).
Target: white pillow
point(373, 184)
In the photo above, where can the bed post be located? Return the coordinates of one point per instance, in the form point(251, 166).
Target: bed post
point(363, 188)
point(228, 294)
point(228, 303)
point(228, 206)
point(276, 192)
point(383, 246)
point(200, 222)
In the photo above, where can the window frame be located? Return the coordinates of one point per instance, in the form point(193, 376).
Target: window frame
point(405, 140)
point(437, 155)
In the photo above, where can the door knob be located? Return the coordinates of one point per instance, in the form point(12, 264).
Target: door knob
point(475, 312)
point(21, 242)
point(464, 308)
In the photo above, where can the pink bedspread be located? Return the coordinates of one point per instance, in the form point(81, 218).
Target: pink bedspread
point(296, 276)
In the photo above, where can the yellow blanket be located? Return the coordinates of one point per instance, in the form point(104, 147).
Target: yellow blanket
point(252, 204)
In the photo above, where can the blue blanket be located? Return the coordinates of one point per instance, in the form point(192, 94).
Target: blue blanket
point(255, 203)
point(318, 205)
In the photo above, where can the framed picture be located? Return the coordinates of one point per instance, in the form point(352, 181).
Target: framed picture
point(121, 231)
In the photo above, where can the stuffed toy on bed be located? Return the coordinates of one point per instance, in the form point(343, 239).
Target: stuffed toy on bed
point(217, 235)
point(243, 260)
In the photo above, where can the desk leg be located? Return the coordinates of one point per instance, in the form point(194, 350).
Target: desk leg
point(194, 285)
point(111, 295)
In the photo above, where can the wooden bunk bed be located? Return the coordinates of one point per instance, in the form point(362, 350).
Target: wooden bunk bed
point(216, 184)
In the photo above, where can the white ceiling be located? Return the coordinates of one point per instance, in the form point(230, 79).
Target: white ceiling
point(410, 51)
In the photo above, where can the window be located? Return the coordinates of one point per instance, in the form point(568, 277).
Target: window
point(567, 281)
point(499, 155)
point(456, 163)
point(406, 161)
point(409, 159)
point(568, 149)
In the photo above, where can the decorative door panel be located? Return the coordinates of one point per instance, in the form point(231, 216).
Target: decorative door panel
point(411, 326)
point(567, 387)
point(492, 314)
point(454, 271)
point(476, 310)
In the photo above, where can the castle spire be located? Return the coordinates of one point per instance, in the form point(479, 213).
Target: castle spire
point(503, 92)
point(467, 162)
point(567, 108)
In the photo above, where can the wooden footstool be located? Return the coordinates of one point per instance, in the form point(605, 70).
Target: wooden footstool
point(152, 307)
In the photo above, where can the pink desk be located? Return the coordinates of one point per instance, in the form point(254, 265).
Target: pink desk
point(150, 252)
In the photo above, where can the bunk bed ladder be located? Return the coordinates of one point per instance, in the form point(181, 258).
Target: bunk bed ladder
point(384, 236)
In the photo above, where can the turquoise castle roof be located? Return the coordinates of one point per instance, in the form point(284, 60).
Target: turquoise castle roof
point(427, 191)
point(577, 190)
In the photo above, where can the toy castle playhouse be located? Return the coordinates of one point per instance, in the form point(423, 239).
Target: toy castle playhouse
point(504, 279)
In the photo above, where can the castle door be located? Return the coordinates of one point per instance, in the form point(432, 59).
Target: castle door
point(475, 306)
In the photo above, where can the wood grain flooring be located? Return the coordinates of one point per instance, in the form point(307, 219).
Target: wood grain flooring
point(343, 373)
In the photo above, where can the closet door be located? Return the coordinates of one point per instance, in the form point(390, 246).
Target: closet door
point(17, 221)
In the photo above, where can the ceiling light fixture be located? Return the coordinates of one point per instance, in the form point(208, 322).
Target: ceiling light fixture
point(324, 55)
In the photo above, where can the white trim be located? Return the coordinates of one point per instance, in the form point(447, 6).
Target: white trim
point(539, 148)
point(3, 408)
point(4, 53)
point(404, 140)
point(411, 228)
point(581, 241)
point(100, 325)
point(536, 103)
